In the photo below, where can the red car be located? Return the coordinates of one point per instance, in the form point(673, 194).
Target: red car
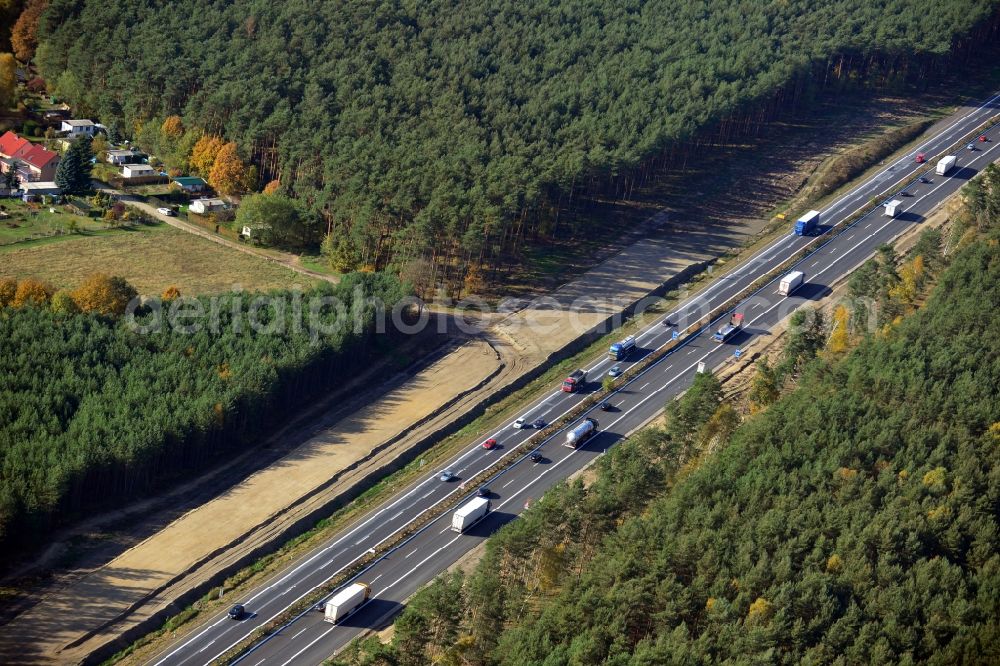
point(490, 443)
point(921, 158)
point(982, 139)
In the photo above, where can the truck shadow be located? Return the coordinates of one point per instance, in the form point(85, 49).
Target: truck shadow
point(812, 291)
point(493, 521)
point(964, 173)
point(909, 217)
point(375, 614)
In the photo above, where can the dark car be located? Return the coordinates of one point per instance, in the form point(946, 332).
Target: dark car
point(237, 612)
point(538, 424)
point(605, 406)
point(925, 179)
point(536, 457)
point(484, 492)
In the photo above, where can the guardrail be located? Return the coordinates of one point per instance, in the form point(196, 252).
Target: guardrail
point(432, 513)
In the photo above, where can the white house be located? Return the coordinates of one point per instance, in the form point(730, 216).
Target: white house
point(206, 205)
point(33, 191)
point(138, 171)
point(77, 128)
point(124, 156)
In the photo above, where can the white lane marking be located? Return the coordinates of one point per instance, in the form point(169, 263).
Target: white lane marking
point(311, 643)
point(849, 238)
point(398, 515)
point(419, 564)
point(304, 629)
point(644, 386)
point(941, 135)
point(260, 662)
point(377, 577)
point(208, 645)
point(756, 305)
point(412, 552)
point(509, 482)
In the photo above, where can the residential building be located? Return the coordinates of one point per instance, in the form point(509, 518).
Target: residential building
point(34, 162)
point(34, 191)
point(206, 205)
point(125, 156)
point(138, 171)
point(191, 184)
point(77, 128)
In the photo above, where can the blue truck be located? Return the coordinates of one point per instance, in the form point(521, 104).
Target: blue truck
point(807, 224)
point(622, 349)
point(730, 329)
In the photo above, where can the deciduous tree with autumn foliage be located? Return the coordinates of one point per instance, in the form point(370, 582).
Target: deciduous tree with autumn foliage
point(204, 152)
point(104, 294)
point(229, 171)
point(24, 35)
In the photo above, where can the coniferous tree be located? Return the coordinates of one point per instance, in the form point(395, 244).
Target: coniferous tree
point(73, 172)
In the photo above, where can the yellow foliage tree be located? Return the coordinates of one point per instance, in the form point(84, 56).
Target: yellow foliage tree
point(104, 294)
point(62, 302)
point(911, 277)
point(474, 283)
point(8, 287)
point(172, 127)
point(229, 173)
point(936, 480)
point(272, 187)
point(838, 336)
point(833, 565)
point(8, 80)
point(171, 293)
point(204, 152)
point(760, 611)
point(32, 292)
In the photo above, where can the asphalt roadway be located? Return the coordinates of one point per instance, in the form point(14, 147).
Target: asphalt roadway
point(308, 639)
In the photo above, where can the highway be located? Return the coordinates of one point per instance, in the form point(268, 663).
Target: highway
point(395, 576)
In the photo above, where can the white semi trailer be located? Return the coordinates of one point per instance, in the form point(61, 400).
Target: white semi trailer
point(346, 602)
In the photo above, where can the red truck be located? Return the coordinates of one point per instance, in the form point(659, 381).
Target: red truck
point(574, 381)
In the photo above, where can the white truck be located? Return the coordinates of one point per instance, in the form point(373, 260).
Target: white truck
point(470, 513)
point(791, 282)
point(892, 207)
point(346, 602)
point(944, 165)
point(581, 433)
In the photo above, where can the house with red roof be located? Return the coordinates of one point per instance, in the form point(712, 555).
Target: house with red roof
point(34, 162)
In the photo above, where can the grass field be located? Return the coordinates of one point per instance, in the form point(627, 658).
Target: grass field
point(150, 257)
point(20, 221)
